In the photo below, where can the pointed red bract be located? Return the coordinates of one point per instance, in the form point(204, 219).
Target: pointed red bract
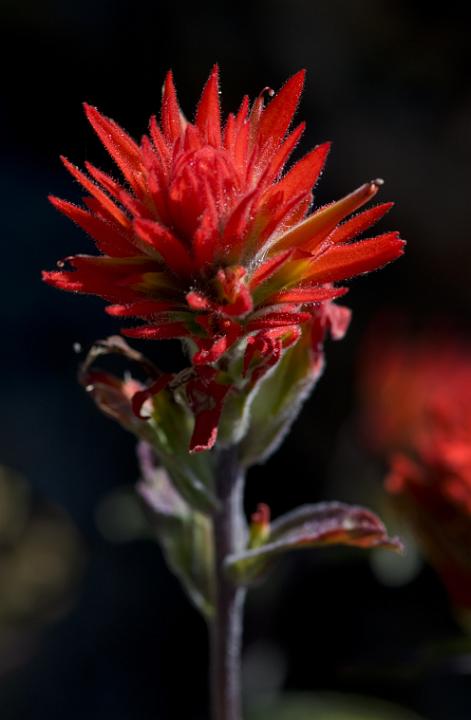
point(359, 223)
point(277, 117)
point(108, 238)
point(120, 146)
point(208, 115)
point(171, 121)
point(345, 261)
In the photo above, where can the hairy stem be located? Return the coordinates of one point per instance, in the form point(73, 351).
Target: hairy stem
point(226, 626)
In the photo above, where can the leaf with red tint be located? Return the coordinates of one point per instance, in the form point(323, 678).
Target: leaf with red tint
point(116, 345)
point(112, 394)
point(113, 397)
point(309, 526)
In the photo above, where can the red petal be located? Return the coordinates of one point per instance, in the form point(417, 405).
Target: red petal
point(208, 114)
point(343, 261)
point(120, 146)
point(171, 117)
point(277, 117)
point(358, 224)
point(172, 251)
point(107, 238)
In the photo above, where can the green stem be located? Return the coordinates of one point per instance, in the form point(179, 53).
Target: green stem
point(226, 626)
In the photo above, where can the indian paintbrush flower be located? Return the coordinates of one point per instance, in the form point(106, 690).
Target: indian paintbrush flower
point(417, 410)
point(207, 238)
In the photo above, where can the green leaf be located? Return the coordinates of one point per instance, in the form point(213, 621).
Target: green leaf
point(184, 534)
point(278, 401)
point(309, 526)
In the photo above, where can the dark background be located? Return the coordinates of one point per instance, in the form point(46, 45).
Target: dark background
point(388, 82)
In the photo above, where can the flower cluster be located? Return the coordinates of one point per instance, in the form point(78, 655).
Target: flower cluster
point(208, 239)
point(417, 402)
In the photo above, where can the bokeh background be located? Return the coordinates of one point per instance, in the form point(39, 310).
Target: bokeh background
point(91, 622)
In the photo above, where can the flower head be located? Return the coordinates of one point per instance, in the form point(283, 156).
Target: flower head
point(418, 410)
point(208, 239)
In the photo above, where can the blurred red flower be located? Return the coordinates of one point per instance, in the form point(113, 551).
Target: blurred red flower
point(205, 239)
point(416, 396)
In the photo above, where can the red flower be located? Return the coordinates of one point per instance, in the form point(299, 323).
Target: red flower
point(418, 409)
point(206, 239)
